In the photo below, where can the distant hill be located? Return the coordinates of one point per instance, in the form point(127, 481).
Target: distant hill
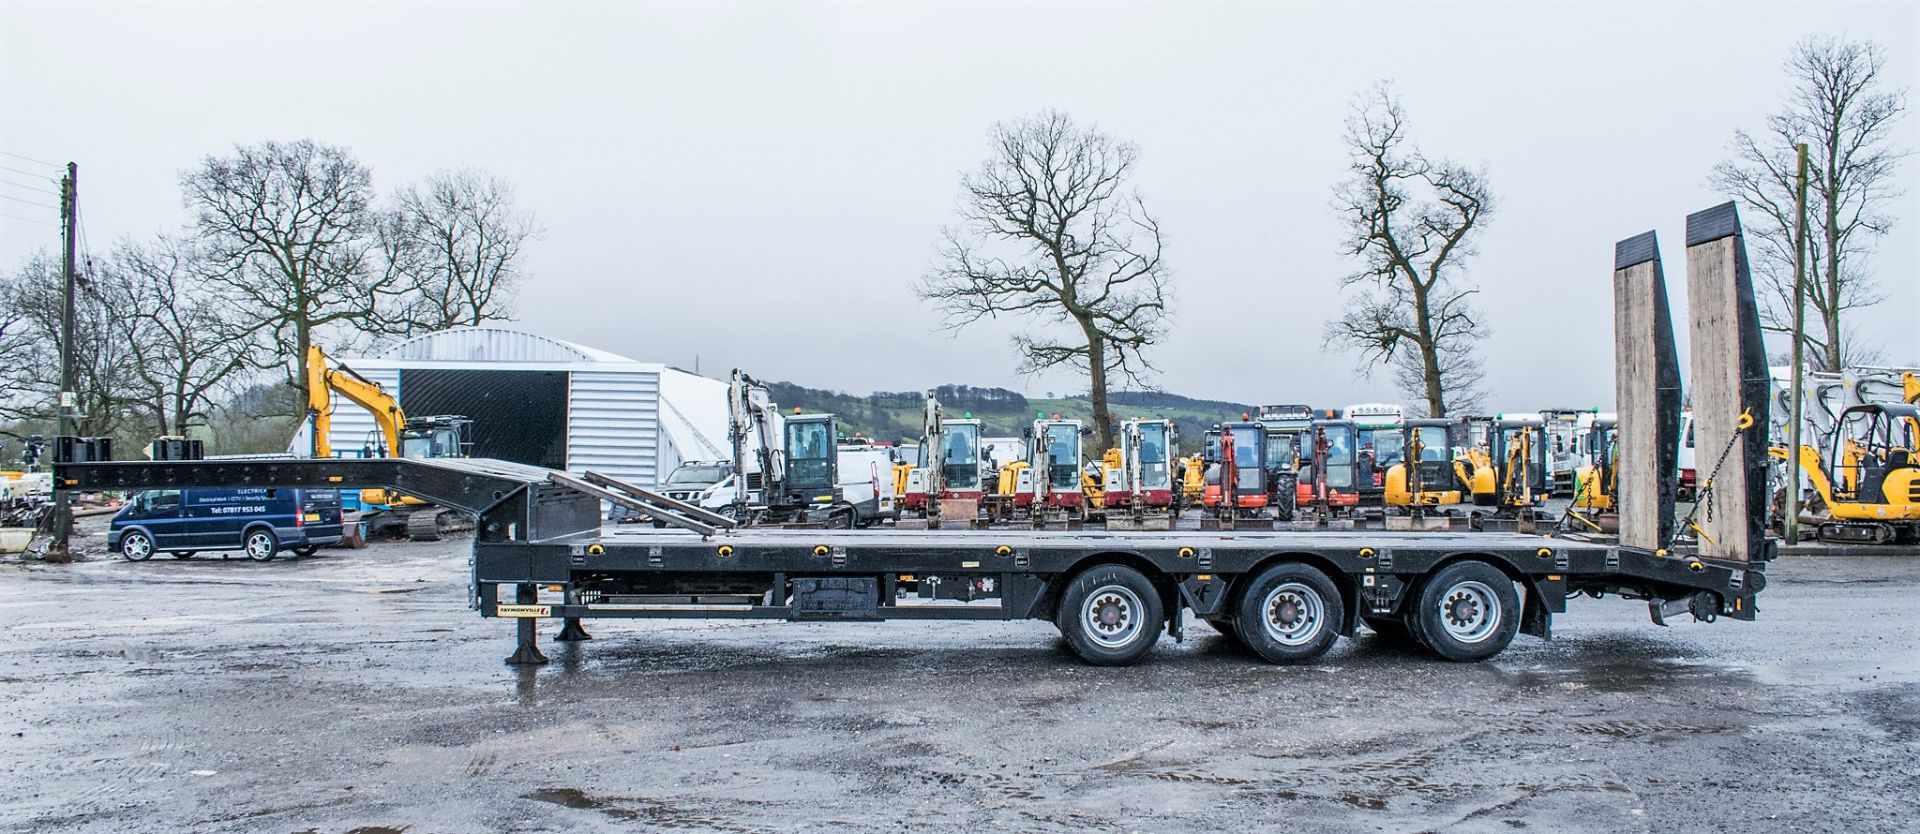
point(896, 415)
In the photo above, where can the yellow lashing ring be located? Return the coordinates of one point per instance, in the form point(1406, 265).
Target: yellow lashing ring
point(1746, 420)
point(725, 550)
point(1186, 553)
point(821, 550)
point(1696, 566)
point(596, 549)
point(1366, 553)
point(1003, 550)
point(1543, 552)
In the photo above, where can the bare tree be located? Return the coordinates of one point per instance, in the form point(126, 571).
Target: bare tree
point(1411, 221)
point(1049, 233)
point(1842, 106)
point(456, 240)
point(289, 228)
point(19, 388)
point(101, 350)
point(182, 350)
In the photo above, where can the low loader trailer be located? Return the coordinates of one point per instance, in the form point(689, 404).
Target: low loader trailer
point(541, 552)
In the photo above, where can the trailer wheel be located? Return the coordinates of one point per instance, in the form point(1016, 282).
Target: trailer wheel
point(1468, 611)
point(1110, 615)
point(1290, 613)
point(136, 546)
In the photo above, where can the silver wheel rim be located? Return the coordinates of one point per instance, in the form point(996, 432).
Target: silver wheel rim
point(1470, 611)
point(137, 547)
point(1293, 614)
point(1111, 616)
point(259, 546)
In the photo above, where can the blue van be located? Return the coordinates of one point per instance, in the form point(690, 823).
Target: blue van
point(260, 521)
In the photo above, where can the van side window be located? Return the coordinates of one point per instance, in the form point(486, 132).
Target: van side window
point(162, 499)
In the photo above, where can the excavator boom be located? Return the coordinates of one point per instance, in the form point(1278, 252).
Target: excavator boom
point(324, 380)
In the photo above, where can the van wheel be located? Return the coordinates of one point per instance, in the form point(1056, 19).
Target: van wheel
point(261, 546)
point(136, 546)
point(182, 554)
point(306, 550)
point(1290, 613)
point(1110, 615)
point(1467, 611)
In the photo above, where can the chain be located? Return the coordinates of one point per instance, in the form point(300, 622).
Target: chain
point(1704, 498)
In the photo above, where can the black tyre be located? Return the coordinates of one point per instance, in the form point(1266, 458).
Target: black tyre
point(1225, 626)
point(306, 550)
point(1468, 611)
point(261, 545)
point(182, 554)
point(1391, 629)
point(1290, 613)
point(1110, 615)
point(136, 546)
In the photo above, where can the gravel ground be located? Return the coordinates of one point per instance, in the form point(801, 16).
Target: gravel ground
point(354, 692)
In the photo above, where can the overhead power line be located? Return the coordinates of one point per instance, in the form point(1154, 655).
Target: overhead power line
point(28, 202)
point(30, 220)
point(50, 177)
point(29, 187)
point(30, 159)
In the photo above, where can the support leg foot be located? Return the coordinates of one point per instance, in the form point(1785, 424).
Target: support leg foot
point(572, 632)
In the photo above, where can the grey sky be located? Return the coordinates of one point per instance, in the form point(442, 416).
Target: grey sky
point(761, 183)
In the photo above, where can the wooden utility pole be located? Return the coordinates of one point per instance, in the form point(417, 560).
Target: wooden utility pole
point(1791, 524)
point(57, 550)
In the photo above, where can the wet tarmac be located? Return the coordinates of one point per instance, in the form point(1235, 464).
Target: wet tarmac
point(355, 692)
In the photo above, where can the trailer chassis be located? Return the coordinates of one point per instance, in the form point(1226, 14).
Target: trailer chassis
point(541, 552)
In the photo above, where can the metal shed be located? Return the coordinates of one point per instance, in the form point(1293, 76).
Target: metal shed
point(546, 402)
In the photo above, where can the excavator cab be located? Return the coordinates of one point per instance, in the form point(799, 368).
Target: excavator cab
point(959, 459)
point(1425, 474)
point(1336, 450)
point(812, 459)
point(1055, 449)
point(1879, 464)
point(439, 436)
point(1519, 478)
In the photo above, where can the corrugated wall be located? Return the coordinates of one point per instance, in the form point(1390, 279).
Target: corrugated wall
point(352, 425)
point(613, 425)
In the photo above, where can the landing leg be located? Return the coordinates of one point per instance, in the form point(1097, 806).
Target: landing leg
point(527, 652)
point(571, 631)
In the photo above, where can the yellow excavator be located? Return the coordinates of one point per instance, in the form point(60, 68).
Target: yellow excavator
point(440, 436)
point(1193, 481)
point(1438, 479)
point(1869, 489)
point(1596, 484)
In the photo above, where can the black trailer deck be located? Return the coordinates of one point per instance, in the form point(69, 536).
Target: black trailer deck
point(541, 551)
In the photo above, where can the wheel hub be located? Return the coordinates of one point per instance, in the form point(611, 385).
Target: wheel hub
point(1111, 617)
point(1462, 611)
point(1293, 614)
point(1470, 612)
